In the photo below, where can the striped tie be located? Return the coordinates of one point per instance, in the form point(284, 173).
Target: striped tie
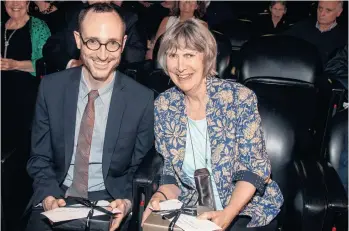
point(79, 187)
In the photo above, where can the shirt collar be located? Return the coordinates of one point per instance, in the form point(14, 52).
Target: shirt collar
point(333, 25)
point(103, 92)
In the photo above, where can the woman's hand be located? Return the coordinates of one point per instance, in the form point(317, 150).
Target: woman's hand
point(222, 218)
point(154, 203)
point(8, 64)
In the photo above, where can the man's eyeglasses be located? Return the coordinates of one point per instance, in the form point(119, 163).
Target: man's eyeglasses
point(94, 44)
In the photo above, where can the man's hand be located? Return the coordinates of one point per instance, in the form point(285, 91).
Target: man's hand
point(50, 203)
point(124, 206)
point(75, 63)
point(8, 64)
point(221, 218)
point(154, 203)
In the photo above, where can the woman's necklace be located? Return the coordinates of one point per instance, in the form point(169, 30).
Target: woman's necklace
point(7, 41)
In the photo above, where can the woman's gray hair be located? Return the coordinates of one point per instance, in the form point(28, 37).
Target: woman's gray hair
point(194, 35)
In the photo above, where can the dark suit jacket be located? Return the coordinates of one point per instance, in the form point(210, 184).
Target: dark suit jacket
point(129, 134)
point(61, 47)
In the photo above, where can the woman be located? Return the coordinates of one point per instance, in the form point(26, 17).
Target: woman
point(23, 39)
point(50, 14)
point(206, 122)
point(275, 23)
point(182, 10)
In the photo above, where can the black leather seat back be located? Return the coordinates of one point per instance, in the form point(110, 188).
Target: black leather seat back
point(238, 31)
point(338, 134)
point(279, 135)
point(280, 60)
point(155, 53)
point(284, 71)
point(223, 65)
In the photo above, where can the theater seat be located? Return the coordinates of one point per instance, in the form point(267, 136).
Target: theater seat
point(238, 31)
point(337, 198)
point(286, 72)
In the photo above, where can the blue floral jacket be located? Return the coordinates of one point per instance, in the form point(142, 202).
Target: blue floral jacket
point(238, 148)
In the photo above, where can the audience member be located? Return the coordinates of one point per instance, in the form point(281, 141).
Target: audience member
point(151, 17)
point(23, 39)
point(90, 130)
point(324, 33)
point(181, 11)
point(50, 14)
point(60, 51)
point(197, 135)
point(337, 66)
point(273, 24)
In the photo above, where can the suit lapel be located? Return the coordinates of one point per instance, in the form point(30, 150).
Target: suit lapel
point(116, 112)
point(70, 105)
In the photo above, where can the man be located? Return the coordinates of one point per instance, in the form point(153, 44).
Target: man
point(60, 51)
point(325, 34)
point(92, 126)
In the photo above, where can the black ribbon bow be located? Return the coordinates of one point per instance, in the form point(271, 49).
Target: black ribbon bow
point(175, 213)
point(92, 206)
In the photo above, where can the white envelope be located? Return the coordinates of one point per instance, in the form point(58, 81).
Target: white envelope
point(74, 212)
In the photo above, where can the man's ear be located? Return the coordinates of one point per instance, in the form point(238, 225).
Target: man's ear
point(124, 42)
point(77, 39)
point(339, 11)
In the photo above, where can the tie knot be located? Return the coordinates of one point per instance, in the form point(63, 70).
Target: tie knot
point(92, 95)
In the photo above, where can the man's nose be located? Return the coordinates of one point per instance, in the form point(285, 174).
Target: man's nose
point(102, 53)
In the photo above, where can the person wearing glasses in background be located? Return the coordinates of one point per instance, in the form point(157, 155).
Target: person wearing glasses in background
point(90, 130)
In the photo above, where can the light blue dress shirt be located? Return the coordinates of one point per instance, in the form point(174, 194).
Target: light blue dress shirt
point(102, 104)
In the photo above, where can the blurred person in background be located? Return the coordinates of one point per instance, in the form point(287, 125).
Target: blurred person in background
point(21, 45)
point(181, 11)
point(275, 22)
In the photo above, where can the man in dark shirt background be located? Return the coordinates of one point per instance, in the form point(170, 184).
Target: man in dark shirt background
point(324, 32)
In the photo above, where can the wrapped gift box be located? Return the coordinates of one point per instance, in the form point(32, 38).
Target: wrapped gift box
point(158, 222)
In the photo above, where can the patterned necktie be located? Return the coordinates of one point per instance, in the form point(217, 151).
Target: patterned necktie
point(79, 187)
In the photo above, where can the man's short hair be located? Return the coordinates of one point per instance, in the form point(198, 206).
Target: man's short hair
point(194, 35)
point(101, 7)
point(273, 3)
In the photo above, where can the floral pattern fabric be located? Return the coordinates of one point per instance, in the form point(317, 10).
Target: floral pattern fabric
point(238, 148)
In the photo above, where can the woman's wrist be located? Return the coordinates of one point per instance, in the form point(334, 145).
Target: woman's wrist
point(161, 193)
point(230, 210)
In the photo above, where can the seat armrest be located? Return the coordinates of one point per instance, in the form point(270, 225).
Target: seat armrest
point(336, 194)
point(337, 200)
point(308, 209)
point(146, 181)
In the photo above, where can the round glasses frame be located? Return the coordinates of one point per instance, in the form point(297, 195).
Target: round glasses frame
point(94, 44)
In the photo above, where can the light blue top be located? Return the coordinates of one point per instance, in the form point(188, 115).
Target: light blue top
point(102, 103)
point(197, 136)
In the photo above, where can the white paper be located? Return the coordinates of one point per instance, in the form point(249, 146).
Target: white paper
point(187, 222)
point(71, 213)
